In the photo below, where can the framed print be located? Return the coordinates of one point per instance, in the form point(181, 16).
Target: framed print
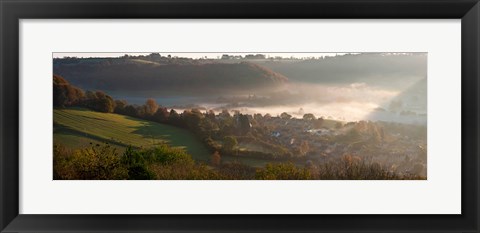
point(239, 116)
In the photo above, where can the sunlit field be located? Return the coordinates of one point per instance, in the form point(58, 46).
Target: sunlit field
point(78, 127)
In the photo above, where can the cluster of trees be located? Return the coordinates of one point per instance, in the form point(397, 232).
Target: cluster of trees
point(317, 123)
point(65, 94)
point(220, 132)
point(99, 101)
point(363, 131)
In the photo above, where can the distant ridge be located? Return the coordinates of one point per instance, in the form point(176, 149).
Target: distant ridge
point(143, 75)
point(392, 71)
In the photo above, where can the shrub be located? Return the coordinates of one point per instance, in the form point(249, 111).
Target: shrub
point(182, 170)
point(136, 165)
point(61, 163)
point(99, 101)
point(165, 155)
point(99, 163)
point(282, 171)
point(167, 163)
point(236, 171)
point(354, 168)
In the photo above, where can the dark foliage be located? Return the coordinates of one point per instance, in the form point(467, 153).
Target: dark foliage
point(65, 94)
point(166, 75)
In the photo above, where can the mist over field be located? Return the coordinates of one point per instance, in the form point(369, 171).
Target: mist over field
point(352, 87)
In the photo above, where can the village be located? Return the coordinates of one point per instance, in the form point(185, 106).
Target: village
point(399, 147)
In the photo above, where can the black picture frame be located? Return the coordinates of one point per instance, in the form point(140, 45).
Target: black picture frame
point(12, 11)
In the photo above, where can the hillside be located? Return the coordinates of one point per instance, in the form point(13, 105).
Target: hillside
point(393, 71)
point(116, 74)
point(409, 106)
point(77, 127)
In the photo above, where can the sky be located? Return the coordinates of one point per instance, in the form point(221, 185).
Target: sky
point(192, 55)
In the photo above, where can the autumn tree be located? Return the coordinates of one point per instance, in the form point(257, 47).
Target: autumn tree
point(192, 119)
point(216, 158)
point(309, 117)
point(285, 116)
point(99, 101)
point(130, 110)
point(120, 106)
point(174, 118)
point(258, 117)
point(224, 114)
point(161, 115)
point(244, 124)
point(210, 114)
point(151, 106)
point(65, 94)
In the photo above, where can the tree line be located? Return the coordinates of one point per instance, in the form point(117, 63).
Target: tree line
point(65, 94)
point(189, 78)
point(220, 133)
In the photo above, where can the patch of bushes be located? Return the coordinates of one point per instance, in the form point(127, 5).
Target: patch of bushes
point(236, 171)
point(93, 163)
point(278, 151)
point(282, 171)
point(354, 168)
point(136, 165)
point(102, 162)
point(184, 171)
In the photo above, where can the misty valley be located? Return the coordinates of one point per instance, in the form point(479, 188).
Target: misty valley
point(240, 116)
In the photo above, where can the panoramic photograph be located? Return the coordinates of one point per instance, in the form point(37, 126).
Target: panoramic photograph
point(239, 116)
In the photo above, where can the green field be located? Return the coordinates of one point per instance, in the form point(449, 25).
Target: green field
point(77, 128)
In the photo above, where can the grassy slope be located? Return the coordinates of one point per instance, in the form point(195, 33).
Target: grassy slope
point(76, 127)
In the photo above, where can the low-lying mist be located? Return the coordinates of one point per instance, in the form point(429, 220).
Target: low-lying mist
point(344, 102)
